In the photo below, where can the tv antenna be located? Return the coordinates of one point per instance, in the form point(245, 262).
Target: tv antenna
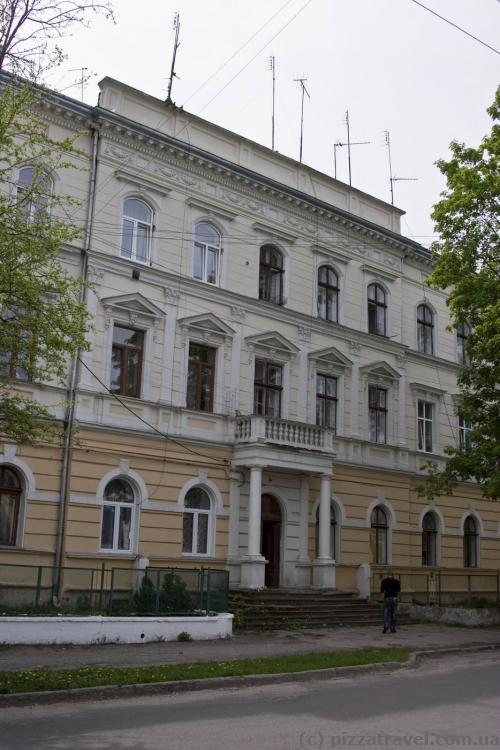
point(348, 143)
point(302, 82)
point(173, 74)
point(82, 81)
point(272, 68)
point(394, 179)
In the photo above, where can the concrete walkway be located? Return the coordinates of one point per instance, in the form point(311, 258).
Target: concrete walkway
point(245, 645)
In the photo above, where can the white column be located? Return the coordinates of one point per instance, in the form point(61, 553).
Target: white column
point(303, 565)
point(325, 517)
point(355, 398)
point(254, 511)
point(234, 513)
point(171, 307)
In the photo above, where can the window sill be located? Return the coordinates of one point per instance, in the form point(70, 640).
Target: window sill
point(193, 556)
point(143, 263)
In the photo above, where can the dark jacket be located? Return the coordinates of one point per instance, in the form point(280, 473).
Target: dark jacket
point(390, 587)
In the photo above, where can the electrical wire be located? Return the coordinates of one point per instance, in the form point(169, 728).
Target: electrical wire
point(456, 26)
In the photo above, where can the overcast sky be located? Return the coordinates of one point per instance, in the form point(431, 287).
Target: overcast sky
point(391, 63)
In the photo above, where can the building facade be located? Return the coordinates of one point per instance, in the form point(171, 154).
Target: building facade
point(268, 374)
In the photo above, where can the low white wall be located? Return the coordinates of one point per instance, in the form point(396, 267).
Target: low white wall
point(454, 615)
point(88, 630)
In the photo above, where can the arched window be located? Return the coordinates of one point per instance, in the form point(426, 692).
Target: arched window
point(196, 522)
point(379, 536)
point(429, 539)
point(333, 533)
point(328, 294)
point(271, 274)
point(471, 539)
point(10, 505)
point(463, 333)
point(33, 191)
point(425, 329)
point(377, 310)
point(207, 250)
point(137, 229)
point(118, 516)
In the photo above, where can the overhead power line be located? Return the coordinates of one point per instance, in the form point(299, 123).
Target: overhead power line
point(456, 26)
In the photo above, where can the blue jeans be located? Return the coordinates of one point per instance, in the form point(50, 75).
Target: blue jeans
point(390, 609)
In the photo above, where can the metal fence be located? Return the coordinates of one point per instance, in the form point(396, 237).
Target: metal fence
point(440, 586)
point(113, 590)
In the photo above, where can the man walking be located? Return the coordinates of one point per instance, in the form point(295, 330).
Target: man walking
point(390, 588)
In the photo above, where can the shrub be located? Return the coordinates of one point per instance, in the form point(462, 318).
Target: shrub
point(145, 596)
point(174, 597)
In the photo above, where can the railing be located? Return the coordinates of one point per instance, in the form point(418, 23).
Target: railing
point(441, 586)
point(254, 429)
point(124, 591)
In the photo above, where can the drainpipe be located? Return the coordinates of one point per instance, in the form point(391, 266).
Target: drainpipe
point(69, 421)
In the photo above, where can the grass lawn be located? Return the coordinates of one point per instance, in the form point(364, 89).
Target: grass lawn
point(48, 679)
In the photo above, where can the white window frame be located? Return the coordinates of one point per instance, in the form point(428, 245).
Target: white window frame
point(136, 222)
point(433, 326)
point(116, 520)
point(33, 208)
point(330, 267)
point(464, 428)
point(205, 250)
point(432, 396)
point(424, 421)
point(210, 526)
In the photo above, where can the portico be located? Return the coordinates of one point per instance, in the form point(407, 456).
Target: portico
point(263, 466)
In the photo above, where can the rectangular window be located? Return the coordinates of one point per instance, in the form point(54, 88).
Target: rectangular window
point(425, 414)
point(377, 414)
point(326, 401)
point(268, 386)
point(464, 429)
point(206, 263)
point(201, 377)
point(126, 361)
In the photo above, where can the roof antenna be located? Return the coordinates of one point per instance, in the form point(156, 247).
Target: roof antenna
point(349, 143)
point(272, 68)
point(83, 80)
point(392, 179)
point(302, 80)
point(173, 74)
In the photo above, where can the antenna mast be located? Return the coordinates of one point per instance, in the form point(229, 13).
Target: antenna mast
point(392, 179)
point(83, 78)
point(176, 27)
point(272, 67)
point(349, 143)
point(302, 82)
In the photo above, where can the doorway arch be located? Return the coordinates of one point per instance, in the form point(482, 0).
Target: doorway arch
point(271, 526)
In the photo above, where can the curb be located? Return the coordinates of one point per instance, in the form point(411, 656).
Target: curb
point(108, 692)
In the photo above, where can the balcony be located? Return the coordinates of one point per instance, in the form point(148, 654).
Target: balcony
point(285, 433)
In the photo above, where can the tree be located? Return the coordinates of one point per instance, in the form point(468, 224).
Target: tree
point(43, 320)
point(467, 260)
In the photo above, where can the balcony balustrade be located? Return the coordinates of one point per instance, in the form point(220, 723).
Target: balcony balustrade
point(256, 429)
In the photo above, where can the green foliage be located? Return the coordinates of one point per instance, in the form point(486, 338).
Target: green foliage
point(467, 261)
point(145, 596)
point(43, 321)
point(184, 636)
point(174, 597)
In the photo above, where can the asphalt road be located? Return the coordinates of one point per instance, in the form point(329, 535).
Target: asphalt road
point(445, 703)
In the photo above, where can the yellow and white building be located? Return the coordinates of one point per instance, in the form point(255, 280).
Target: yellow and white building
point(268, 373)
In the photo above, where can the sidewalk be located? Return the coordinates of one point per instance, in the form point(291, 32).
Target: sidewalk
point(244, 645)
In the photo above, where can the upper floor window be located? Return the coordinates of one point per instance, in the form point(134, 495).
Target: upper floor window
point(201, 375)
point(117, 516)
point(14, 364)
point(463, 333)
point(326, 401)
point(471, 537)
point(429, 539)
point(464, 430)
point(196, 522)
point(425, 329)
point(425, 418)
point(10, 504)
point(328, 294)
point(377, 310)
point(271, 274)
point(33, 191)
point(137, 230)
point(377, 414)
point(268, 386)
point(126, 361)
point(207, 251)
point(379, 533)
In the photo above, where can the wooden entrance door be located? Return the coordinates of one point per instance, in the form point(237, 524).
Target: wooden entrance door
point(271, 539)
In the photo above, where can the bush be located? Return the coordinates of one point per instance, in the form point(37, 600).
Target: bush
point(174, 597)
point(145, 596)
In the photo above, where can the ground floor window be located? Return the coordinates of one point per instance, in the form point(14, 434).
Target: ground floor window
point(379, 536)
point(429, 540)
point(10, 503)
point(117, 516)
point(471, 543)
point(196, 522)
